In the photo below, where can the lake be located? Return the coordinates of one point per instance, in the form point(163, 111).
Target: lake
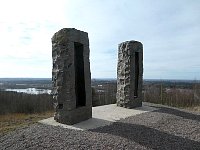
point(31, 91)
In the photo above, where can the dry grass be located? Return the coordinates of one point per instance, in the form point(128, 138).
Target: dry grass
point(195, 108)
point(11, 122)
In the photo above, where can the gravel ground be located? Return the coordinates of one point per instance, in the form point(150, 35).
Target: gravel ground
point(166, 128)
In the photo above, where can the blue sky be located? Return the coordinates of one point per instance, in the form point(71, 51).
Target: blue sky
point(169, 31)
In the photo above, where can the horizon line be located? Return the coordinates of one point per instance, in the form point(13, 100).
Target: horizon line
point(92, 78)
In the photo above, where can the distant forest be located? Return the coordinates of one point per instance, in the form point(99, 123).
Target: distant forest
point(13, 102)
point(177, 93)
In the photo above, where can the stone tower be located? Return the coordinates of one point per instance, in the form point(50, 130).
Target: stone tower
point(130, 74)
point(71, 76)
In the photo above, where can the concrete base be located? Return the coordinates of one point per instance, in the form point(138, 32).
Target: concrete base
point(102, 116)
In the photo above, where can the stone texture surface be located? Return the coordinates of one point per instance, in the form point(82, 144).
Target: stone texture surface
point(63, 76)
point(126, 74)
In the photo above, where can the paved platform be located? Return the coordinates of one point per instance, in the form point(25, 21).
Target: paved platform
point(102, 116)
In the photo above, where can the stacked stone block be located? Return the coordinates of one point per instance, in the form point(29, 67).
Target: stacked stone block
point(130, 74)
point(70, 107)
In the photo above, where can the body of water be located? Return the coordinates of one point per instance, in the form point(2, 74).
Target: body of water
point(31, 91)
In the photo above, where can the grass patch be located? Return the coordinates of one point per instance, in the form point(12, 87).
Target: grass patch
point(10, 122)
point(195, 108)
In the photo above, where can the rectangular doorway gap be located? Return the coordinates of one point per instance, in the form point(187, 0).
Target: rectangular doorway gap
point(79, 75)
point(136, 74)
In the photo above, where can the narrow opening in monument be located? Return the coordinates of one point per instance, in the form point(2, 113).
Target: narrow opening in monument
point(60, 106)
point(136, 73)
point(79, 75)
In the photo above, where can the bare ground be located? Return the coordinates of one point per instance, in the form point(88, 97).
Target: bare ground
point(166, 128)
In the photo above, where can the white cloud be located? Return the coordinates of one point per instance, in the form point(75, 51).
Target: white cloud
point(169, 31)
point(32, 10)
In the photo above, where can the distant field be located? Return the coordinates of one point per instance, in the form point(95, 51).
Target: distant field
point(22, 83)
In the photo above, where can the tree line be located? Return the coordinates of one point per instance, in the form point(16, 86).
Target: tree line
point(175, 96)
point(13, 102)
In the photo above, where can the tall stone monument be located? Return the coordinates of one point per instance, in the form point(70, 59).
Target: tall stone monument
point(130, 74)
point(71, 76)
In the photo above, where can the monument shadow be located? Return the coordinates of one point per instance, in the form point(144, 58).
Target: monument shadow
point(149, 137)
